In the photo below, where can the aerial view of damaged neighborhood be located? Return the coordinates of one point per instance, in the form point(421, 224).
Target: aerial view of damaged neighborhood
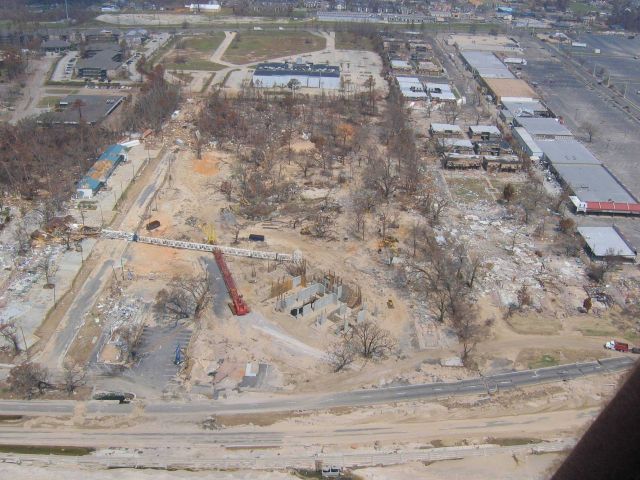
point(306, 239)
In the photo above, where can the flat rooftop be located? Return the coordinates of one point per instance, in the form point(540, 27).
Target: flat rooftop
point(411, 87)
point(445, 127)
point(519, 107)
point(94, 108)
point(593, 183)
point(606, 241)
point(510, 87)
point(567, 151)
point(298, 68)
point(457, 142)
point(543, 127)
point(495, 43)
point(486, 64)
point(101, 56)
point(479, 129)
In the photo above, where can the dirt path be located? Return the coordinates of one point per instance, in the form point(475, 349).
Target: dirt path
point(216, 57)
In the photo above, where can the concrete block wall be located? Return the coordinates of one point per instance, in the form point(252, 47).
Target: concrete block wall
point(302, 296)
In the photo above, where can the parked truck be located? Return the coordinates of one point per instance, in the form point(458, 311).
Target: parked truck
point(617, 346)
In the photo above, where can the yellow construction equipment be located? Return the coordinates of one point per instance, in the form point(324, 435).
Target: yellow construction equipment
point(209, 232)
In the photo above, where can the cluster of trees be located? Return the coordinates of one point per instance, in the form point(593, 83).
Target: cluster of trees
point(29, 380)
point(625, 13)
point(20, 12)
point(258, 125)
point(14, 63)
point(364, 339)
point(185, 297)
point(49, 167)
point(157, 100)
point(444, 271)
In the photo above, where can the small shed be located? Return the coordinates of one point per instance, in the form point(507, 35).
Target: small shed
point(445, 130)
point(485, 133)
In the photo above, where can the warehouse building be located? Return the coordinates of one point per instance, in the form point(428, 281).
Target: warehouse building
point(607, 242)
point(543, 128)
point(593, 183)
point(523, 108)
point(485, 64)
point(309, 75)
point(570, 151)
point(526, 143)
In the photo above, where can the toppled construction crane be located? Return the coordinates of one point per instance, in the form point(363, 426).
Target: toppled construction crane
point(239, 306)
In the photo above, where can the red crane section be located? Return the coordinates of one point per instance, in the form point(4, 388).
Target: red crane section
point(240, 307)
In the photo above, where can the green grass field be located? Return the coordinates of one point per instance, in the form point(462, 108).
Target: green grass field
point(254, 46)
point(193, 64)
point(49, 101)
point(204, 44)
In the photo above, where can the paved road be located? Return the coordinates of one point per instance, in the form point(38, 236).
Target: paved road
point(504, 381)
point(273, 460)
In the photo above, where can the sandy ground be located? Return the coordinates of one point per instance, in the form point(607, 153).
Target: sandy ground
point(56, 473)
point(498, 467)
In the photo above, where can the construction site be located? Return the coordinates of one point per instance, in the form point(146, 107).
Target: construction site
point(288, 268)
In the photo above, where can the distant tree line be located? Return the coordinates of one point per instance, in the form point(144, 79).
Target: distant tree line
point(626, 13)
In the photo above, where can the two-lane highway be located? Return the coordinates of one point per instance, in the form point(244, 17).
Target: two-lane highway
point(486, 384)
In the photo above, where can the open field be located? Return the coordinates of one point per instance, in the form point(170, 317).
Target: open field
point(48, 101)
point(193, 53)
point(192, 64)
point(351, 41)
point(203, 43)
point(254, 46)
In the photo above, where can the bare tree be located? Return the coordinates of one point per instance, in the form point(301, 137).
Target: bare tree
point(9, 333)
point(590, 129)
point(467, 326)
point(322, 225)
point(451, 112)
point(370, 340)
point(186, 297)
point(381, 176)
point(29, 379)
point(22, 238)
point(128, 338)
point(432, 205)
point(341, 354)
point(74, 378)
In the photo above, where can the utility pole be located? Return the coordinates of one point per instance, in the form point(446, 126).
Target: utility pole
point(66, 8)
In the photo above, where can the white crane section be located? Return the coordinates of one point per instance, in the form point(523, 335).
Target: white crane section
point(203, 247)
